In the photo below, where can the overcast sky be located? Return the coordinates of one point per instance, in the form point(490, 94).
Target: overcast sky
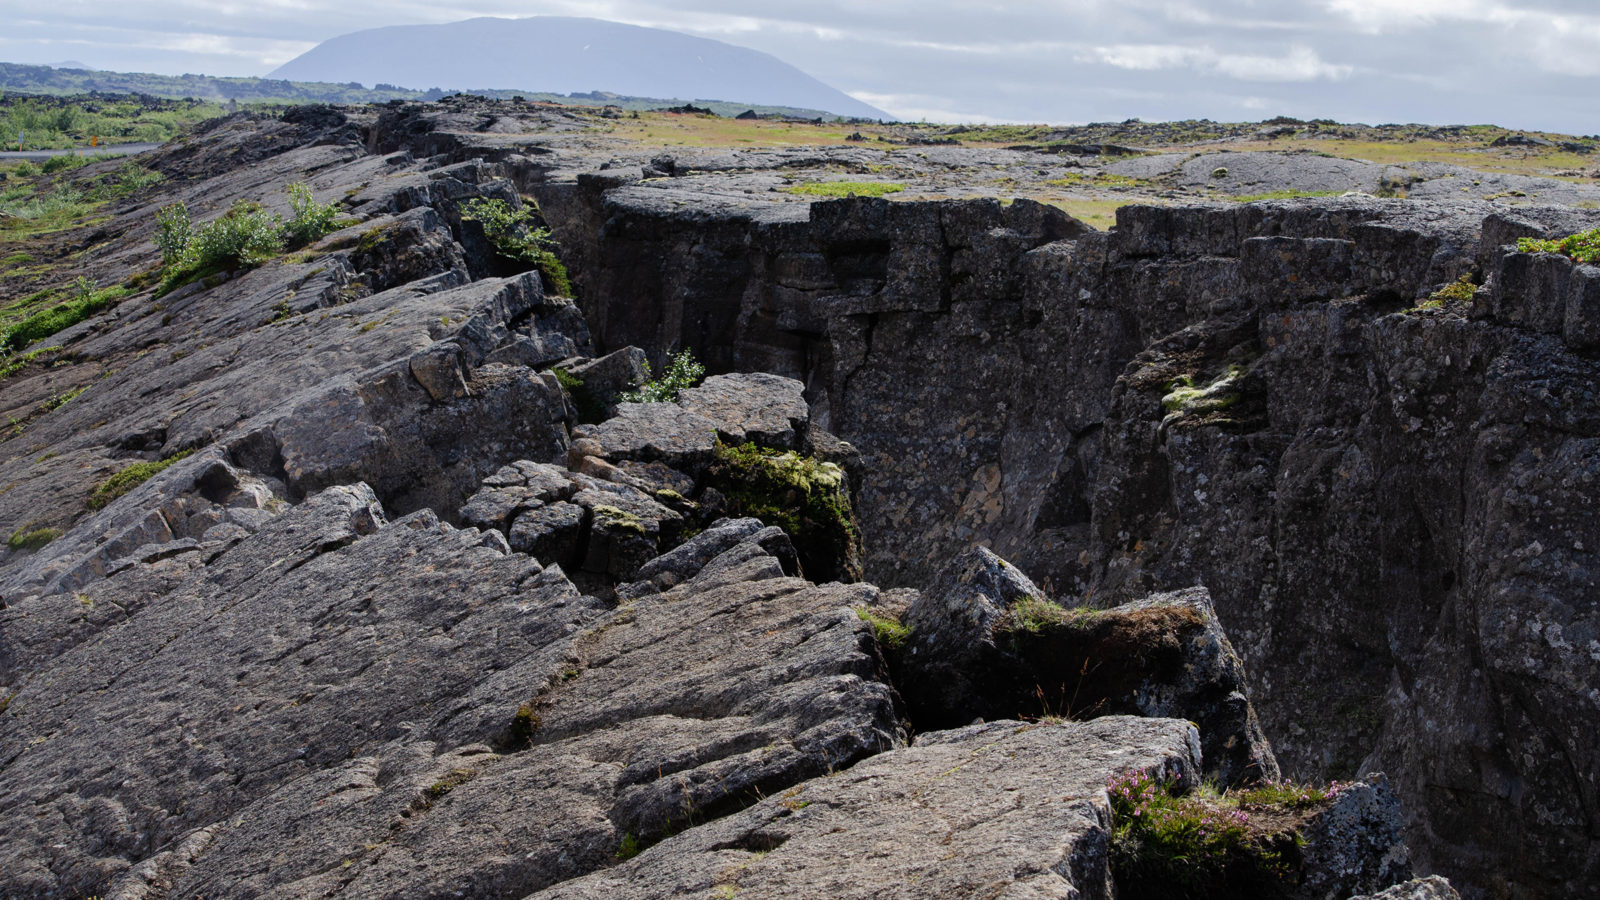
point(1522, 63)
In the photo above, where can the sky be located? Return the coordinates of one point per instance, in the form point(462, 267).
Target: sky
point(1531, 64)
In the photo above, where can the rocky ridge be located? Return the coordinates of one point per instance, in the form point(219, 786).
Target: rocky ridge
point(401, 609)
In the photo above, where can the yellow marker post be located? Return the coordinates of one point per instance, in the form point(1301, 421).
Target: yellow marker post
point(94, 141)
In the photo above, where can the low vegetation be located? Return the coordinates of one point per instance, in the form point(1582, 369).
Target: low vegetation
point(805, 496)
point(891, 633)
point(1180, 841)
point(129, 478)
point(1583, 247)
point(683, 372)
point(59, 123)
point(846, 189)
point(243, 237)
point(31, 539)
point(520, 240)
point(82, 300)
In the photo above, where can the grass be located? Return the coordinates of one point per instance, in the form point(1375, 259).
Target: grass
point(86, 300)
point(32, 539)
point(1034, 615)
point(1096, 180)
point(891, 634)
point(846, 189)
point(1097, 214)
point(669, 129)
point(11, 365)
point(1461, 290)
point(63, 123)
point(1167, 843)
point(129, 478)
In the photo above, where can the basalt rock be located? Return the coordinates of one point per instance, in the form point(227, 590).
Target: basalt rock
point(986, 643)
point(1384, 500)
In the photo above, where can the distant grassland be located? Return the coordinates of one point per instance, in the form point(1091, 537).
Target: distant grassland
point(60, 123)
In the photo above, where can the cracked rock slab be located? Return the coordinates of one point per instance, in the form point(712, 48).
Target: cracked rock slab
point(1003, 810)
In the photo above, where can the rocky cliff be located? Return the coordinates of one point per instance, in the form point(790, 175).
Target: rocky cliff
point(409, 612)
point(1387, 498)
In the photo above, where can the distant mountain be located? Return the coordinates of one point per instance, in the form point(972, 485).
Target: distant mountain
point(552, 53)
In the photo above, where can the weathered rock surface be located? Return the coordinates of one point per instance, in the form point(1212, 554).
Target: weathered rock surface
point(1384, 502)
point(1432, 888)
point(238, 679)
point(1005, 809)
point(333, 704)
point(986, 643)
point(1357, 844)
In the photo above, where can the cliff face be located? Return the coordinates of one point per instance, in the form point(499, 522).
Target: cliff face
point(401, 625)
point(1391, 506)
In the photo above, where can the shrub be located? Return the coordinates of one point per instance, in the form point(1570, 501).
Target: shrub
point(246, 235)
point(130, 478)
point(805, 496)
point(1583, 246)
point(517, 239)
point(683, 371)
point(308, 220)
point(173, 233)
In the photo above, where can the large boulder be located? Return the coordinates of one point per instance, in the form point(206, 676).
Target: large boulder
point(985, 643)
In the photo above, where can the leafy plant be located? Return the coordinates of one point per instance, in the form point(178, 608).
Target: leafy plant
point(1583, 247)
point(805, 496)
point(308, 219)
point(129, 478)
point(173, 233)
point(683, 372)
point(518, 239)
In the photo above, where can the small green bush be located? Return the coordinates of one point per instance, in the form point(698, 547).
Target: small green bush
point(173, 233)
point(518, 240)
point(1583, 246)
point(246, 235)
point(308, 220)
point(683, 372)
point(130, 478)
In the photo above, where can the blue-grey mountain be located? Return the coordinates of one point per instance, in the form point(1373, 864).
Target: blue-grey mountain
point(552, 53)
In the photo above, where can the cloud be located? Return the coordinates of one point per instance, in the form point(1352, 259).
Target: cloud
point(1299, 64)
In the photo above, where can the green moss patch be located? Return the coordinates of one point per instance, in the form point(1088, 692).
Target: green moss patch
point(1583, 246)
point(891, 634)
point(806, 497)
point(130, 478)
point(32, 539)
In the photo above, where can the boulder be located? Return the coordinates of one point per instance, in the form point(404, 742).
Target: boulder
point(985, 643)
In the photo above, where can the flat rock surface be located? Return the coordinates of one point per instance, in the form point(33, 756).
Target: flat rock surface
point(1005, 809)
point(769, 410)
